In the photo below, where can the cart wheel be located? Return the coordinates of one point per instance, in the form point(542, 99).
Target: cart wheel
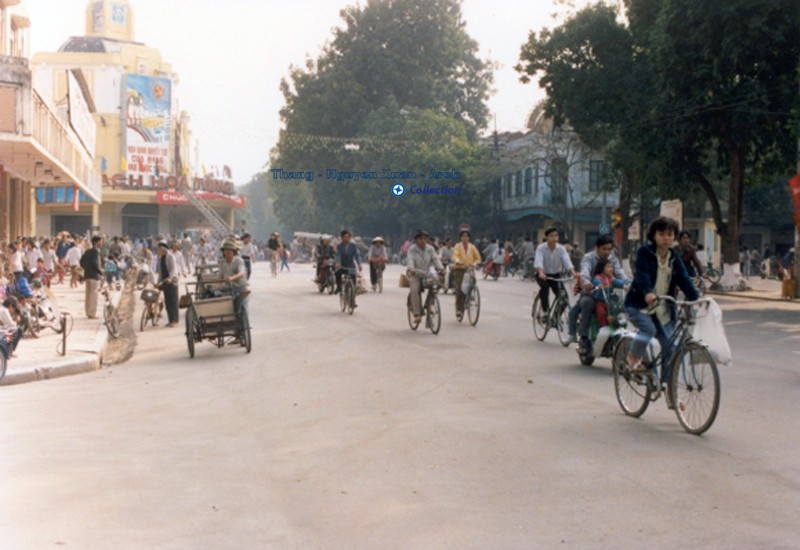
point(247, 342)
point(190, 329)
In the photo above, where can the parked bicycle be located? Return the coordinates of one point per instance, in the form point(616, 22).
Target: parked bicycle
point(556, 317)
point(689, 378)
point(431, 311)
point(153, 307)
point(110, 312)
point(712, 274)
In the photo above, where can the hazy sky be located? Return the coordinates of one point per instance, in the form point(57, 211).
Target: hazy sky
point(230, 56)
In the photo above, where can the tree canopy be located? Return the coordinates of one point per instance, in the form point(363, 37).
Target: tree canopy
point(399, 86)
point(702, 91)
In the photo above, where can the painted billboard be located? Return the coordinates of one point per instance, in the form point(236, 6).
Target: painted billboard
point(147, 120)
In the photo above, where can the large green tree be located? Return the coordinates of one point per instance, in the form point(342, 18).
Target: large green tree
point(399, 86)
point(704, 90)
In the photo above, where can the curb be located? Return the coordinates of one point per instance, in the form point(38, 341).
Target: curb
point(89, 360)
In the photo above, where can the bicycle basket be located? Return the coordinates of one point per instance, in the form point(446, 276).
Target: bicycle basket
point(150, 295)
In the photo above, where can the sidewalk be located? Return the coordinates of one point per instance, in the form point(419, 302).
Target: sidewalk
point(760, 289)
point(39, 359)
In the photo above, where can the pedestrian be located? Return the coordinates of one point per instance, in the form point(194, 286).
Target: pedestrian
point(72, 261)
point(15, 261)
point(744, 262)
point(92, 275)
point(168, 275)
point(248, 253)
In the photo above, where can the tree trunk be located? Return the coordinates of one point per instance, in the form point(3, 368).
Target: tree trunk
point(729, 231)
point(625, 199)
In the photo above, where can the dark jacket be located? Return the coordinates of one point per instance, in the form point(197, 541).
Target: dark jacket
point(644, 279)
point(90, 262)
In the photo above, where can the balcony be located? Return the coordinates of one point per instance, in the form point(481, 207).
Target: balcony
point(37, 143)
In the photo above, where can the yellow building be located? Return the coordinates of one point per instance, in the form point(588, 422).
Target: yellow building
point(143, 145)
point(42, 146)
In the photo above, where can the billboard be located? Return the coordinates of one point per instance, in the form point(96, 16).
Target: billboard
point(80, 118)
point(147, 110)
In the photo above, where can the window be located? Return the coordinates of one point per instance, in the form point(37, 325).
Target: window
point(507, 183)
point(558, 180)
point(528, 180)
point(596, 169)
point(518, 184)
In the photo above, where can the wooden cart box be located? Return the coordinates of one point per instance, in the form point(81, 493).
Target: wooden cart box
point(214, 306)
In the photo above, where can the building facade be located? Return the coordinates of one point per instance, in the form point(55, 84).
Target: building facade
point(550, 178)
point(143, 149)
point(43, 146)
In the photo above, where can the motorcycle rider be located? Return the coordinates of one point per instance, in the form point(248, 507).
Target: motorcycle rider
point(421, 257)
point(604, 247)
point(323, 251)
point(465, 255)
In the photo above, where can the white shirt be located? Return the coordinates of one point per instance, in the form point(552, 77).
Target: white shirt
point(16, 262)
point(50, 260)
point(248, 250)
point(73, 256)
point(32, 256)
point(552, 261)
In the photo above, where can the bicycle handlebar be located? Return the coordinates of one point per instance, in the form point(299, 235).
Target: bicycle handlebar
point(669, 298)
point(561, 279)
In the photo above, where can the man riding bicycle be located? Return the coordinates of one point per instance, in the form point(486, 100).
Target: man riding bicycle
point(585, 306)
point(465, 256)
point(347, 258)
point(421, 257)
point(550, 261)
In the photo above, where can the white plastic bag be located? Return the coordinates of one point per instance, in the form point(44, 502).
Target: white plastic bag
point(466, 282)
point(709, 330)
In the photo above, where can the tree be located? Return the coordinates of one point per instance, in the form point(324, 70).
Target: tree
point(400, 86)
point(703, 90)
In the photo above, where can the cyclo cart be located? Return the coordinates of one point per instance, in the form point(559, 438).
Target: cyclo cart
point(210, 313)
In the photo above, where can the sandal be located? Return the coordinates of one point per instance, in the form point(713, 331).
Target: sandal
point(637, 367)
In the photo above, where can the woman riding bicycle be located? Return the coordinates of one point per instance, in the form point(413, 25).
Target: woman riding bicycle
point(659, 271)
point(465, 255)
point(377, 259)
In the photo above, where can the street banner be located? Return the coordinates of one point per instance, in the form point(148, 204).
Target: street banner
point(176, 197)
point(794, 186)
point(147, 122)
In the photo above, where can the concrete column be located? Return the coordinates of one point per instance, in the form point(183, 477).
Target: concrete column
point(96, 215)
point(231, 218)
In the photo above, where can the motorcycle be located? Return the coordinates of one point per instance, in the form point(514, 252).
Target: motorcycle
point(327, 276)
point(492, 269)
point(604, 339)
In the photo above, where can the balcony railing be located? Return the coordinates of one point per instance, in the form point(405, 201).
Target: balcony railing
point(59, 141)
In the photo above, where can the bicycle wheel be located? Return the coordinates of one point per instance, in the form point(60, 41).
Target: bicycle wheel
point(694, 388)
point(3, 364)
point(32, 327)
point(145, 317)
point(380, 282)
point(343, 297)
point(247, 342)
point(631, 388)
point(411, 322)
point(539, 329)
point(713, 275)
point(433, 314)
point(562, 321)
point(351, 298)
point(474, 305)
point(190, 331)
point(159, 313)
point(111, 320)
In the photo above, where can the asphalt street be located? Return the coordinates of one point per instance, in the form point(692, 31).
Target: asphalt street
point(345, 431)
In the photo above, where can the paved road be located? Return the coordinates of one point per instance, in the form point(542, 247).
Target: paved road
point(354, 432)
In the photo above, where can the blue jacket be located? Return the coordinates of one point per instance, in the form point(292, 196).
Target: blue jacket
point(347, 256)
point(644, 279)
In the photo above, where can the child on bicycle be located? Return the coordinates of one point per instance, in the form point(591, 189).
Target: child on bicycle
point(603, 282)
point(659, 271)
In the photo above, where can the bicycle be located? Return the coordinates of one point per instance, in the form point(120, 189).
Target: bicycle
point(556, 317)
point(378, 287)
point(431, 310)
point(110, 312)
point(690, 379)
point(712, 274)
point(347, 296)
point(472, 298)
point(153, 307)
